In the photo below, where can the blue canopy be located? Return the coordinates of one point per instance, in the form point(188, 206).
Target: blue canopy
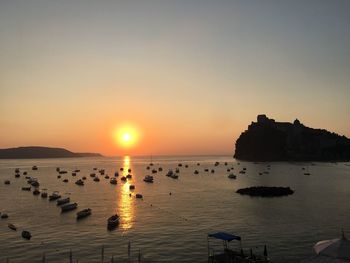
point(224, 236)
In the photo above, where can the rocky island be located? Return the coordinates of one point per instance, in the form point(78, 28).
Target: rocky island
point(33, 152)
point(266, 191)
point(268, 140)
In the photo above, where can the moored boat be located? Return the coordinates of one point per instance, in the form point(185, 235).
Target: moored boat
point(83, 213)
point(79, 182)
point(113, 221)
point(26, 234)
point(12, 227)
point(148, 179)
point(68, 207)
point(54, 196)
point(63, 201)
point(113, 181)
point(232, 176)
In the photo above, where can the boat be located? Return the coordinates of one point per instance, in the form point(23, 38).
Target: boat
point(139, 196)
point(113, 181)
point(44, 195)
point(7, 182)
point(174, 176)
point(148, 179)
point(26, 188)
point(12, 227)
point(54, 196)
point(169, 173)
point(79, 182)
point(34, 168)
point(63, 201)
point(113, 221)
point(35, 183)
point(69, 207)
point(83, 213)
point(4, 215)
point(96, 179)
point(26, 235)
point(36, 192)
point(232, 176)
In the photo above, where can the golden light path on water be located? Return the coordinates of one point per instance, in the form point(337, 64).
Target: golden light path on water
point(125, 203)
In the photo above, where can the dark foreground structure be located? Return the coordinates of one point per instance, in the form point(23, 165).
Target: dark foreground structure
point(268, 140)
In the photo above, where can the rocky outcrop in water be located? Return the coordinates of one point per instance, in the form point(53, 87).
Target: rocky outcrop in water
point(265, 191)
point(268, 140)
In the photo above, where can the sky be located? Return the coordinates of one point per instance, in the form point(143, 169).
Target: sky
point(188, 76)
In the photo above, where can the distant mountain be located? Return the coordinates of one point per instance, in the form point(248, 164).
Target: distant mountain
point(268, 140)
point(33, 152)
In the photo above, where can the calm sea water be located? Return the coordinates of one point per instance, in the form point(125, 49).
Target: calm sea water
point(171, 228)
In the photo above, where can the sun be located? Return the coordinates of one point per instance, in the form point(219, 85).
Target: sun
point(126, 136)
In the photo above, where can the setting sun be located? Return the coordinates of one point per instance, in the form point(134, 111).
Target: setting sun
point(126, 136)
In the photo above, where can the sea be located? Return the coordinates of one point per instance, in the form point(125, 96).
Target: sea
point(172, 221)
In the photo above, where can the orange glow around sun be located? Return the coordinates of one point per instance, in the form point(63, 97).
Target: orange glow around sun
point(126, 136)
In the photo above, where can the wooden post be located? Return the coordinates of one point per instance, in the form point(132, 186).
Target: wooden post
point(102, 254)
point(129, 252)
point(70, 256)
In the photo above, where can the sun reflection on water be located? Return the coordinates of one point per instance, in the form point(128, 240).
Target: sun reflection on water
point(125, 202)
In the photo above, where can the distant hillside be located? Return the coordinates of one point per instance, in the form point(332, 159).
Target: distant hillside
point(33, 152)
point(268, 140)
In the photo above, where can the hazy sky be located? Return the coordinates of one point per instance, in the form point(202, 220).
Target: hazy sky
point(190, 75)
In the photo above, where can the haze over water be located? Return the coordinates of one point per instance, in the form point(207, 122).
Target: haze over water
point(171, 228)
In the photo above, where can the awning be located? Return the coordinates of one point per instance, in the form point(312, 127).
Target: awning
point(224, 236)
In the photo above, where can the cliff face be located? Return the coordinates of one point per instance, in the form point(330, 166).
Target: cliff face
point(268, 140)
point(40, 152)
